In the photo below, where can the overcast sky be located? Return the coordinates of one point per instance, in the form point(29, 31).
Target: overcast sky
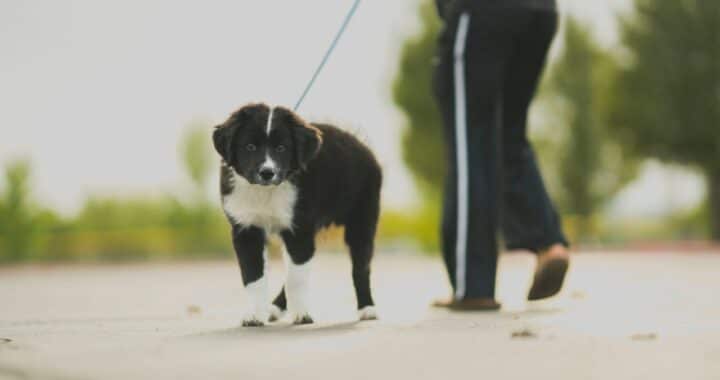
point(97, 93)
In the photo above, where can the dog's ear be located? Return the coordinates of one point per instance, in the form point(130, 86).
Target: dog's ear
point(307, 138)
point(222, 139)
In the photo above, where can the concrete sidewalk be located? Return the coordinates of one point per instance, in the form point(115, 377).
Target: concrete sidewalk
point(621, 316)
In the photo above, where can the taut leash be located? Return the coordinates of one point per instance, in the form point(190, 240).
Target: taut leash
point(329, 52)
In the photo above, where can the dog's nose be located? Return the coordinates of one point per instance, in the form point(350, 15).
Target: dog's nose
point(266, 174)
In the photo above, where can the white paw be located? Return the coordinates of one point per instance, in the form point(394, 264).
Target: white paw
point(253, 321)
point(367, 313)
point(275, 313)
point(256, 312)
point(302, 318)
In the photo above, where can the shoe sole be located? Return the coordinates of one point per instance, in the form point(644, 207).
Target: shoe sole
point(549, 280)
point(460, 306)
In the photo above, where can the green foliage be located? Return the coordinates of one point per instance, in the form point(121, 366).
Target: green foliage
point(588, 165)
point(403, 229)
point(667, 93)
point(423, 139)
point(196, 156)
point(17, 227)
point(116, 228)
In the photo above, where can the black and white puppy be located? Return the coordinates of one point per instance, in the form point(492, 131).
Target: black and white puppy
point(282, 175)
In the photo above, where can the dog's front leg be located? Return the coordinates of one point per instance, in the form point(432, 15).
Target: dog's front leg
point(300, 248)
point(249, 243)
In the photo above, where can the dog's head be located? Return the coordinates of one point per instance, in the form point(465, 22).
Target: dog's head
point(266, 145)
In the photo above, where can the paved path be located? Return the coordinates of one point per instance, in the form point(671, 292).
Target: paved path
point(620, 317)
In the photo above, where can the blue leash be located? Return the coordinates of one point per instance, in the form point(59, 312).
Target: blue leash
point(339, 34)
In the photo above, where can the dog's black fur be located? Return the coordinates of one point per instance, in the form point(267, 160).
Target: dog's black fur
point(336, 178)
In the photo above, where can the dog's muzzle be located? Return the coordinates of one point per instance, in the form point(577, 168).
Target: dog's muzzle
point(267, 176)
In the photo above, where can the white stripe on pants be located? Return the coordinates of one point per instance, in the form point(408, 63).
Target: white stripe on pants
point(462, 156)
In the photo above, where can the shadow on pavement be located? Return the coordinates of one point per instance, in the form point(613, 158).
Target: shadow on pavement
point(285, 329)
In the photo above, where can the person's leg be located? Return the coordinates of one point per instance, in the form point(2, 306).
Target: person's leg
point(529, 220)
point(468, 80)
point(443, 91)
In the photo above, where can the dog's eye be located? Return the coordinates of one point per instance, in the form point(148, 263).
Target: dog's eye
point(250, 147)
point(280, 148)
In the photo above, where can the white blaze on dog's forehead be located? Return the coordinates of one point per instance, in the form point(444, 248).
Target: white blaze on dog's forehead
point(269, 163)
point(269, 122)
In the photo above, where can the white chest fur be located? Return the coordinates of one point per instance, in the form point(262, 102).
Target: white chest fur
point(268, 207)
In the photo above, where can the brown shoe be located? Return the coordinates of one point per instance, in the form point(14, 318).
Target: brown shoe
point(550, 273)
point(468, 304)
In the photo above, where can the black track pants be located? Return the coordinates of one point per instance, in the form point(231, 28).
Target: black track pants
point(488, 66)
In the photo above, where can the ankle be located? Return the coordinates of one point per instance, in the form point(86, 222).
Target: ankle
point(555, 251)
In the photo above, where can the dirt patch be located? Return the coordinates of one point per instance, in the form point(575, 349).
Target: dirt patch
point(524, 334)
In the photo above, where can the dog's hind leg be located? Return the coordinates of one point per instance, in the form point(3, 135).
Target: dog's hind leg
point(279, 306)
point(360, 237)
point(300, 248)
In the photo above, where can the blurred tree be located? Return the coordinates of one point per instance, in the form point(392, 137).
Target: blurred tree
point(585, 164)
point(201, 216)
point(197, 157)
point(17, 227)
point(422, 139)
point(667, 93)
